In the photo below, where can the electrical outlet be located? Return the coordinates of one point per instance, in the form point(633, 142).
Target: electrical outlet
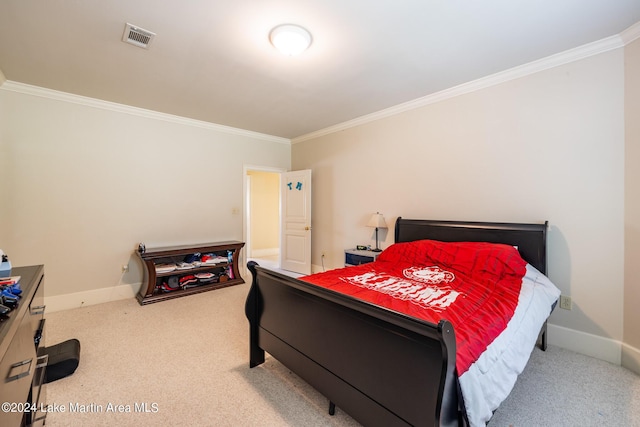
point(565, 302)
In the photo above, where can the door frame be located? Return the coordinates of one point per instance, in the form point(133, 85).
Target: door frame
point(246, 208)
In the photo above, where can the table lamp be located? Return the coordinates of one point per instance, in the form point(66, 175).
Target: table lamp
point(377, 221)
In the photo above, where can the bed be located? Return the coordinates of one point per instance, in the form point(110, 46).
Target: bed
point(386, 368)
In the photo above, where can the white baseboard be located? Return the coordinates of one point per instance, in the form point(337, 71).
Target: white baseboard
point(588, 344)
point(631, 358)
point(96, 296)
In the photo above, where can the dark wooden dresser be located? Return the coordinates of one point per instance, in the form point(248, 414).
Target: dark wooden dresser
point(22, 368)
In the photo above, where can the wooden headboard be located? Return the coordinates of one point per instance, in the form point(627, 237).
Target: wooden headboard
point(530, 239)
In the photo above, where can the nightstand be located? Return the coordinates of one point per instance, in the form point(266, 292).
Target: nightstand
point(356, 257)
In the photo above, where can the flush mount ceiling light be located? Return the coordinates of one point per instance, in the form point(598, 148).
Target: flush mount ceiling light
point(290, 39)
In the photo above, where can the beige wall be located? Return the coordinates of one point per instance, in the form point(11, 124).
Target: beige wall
point(265, 212)
point(631, 352)
point(549, 146)
point(85, 185)
point(4, 165)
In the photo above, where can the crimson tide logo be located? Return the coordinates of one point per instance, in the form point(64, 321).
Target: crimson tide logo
point(432, 275)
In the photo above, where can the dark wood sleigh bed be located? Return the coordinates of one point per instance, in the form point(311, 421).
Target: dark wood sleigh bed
point(381, 367)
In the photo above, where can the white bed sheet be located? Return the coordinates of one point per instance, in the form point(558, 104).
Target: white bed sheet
point(491, 378)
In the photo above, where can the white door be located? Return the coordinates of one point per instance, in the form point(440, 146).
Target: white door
point(295, 216)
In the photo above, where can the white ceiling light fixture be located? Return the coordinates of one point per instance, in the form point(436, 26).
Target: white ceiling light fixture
point(290, 39)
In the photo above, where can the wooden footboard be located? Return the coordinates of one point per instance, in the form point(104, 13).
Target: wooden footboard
point(382, 368)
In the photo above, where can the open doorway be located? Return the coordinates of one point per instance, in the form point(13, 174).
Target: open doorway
point(262, 216)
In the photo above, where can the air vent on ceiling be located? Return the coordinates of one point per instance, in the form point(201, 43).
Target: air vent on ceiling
point(137, 36)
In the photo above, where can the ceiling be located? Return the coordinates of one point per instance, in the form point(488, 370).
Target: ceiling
point(211, 60)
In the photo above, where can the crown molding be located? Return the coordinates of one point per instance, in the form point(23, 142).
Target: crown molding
point(630, 34)
point(614, 42)
point(562, 58)
point(134, 111)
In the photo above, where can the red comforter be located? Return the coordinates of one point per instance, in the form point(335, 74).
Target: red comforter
point(473, 285)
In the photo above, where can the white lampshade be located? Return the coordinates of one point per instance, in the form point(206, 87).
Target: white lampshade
point(377, 221)
point(290, 39)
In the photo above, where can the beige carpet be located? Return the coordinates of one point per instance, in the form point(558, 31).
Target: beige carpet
point(185, 359)
point(186, 362)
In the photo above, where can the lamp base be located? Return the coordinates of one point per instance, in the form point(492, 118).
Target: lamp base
point(376, 250)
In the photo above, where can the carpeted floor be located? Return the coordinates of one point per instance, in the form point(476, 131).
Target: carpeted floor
point(185, 362)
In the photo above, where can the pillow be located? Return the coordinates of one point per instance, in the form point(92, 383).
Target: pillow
point(493, 259)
